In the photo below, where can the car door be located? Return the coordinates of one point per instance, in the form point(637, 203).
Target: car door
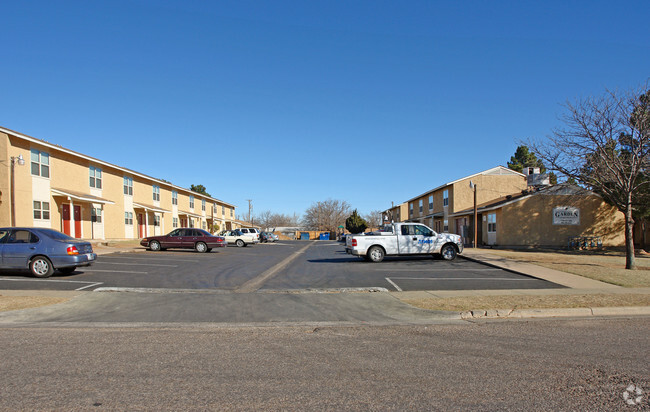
point(4, 235)
point(190, 237)
point(173, 239)
point(19, 246)
point(414, 239)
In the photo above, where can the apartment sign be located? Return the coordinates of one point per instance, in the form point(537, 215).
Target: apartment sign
point(566, 216)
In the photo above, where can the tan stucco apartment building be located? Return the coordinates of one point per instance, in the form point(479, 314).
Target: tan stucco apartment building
point(511, 212)
point(46, 185)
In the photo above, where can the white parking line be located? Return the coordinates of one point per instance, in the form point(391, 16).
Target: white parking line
point(456, 278)
point(438, 270)
point(394, 285)
point(136, 264)
point(103, 257)
point(113, 271)
point(89, 284)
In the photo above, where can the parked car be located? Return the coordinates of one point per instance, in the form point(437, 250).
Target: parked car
point(185, 238)
point(237, 237)
point(43, 251)
point(265, 237)
point(275, 237)
point(251, 231)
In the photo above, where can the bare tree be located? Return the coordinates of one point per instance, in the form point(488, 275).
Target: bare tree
point(268, 220)
point(327, 215)
point(373, 218)
point(605, 146)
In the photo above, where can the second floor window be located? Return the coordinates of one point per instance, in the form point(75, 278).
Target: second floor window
point(156, 193)
point(40, 163)
point(410, 209)
point(174, 197)
point(223, 210)
point(203, 204)
point(95, 177)
point(431, 202)
point(445, 198)
point(191, 202)
point(421, 208)
point(128, 186)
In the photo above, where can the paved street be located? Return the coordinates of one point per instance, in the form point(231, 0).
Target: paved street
point(489, 366)
point(285, 266)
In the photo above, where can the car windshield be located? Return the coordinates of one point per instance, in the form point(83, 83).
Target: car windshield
point(55, 234)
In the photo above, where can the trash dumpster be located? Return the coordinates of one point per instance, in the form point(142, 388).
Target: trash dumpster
point(304, 235)
point(324, 236)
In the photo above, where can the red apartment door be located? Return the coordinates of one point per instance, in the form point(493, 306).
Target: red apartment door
point(65, 214)
point(141, 225)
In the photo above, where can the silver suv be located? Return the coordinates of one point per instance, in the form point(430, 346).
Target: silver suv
point(251, 231)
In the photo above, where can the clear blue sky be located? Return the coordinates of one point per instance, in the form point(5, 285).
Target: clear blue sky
point(291, 102)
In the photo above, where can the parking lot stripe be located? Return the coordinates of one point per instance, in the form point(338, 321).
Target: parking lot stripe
point(104, 257)
point(439, 270)
point(136, 264)
point(45, 280)
point(90, 286)
point(114, 271)
point(519, 280)
point(394, 285)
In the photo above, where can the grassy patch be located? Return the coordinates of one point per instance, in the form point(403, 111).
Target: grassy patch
point(464, 303)
point(26, 302)
point(605, 266)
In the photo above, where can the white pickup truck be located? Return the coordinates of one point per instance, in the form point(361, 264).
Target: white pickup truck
point(403, 239)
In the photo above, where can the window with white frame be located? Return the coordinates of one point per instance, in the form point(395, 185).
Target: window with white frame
point(40, 163)
point(445, 198)
point(223, 210)
point(203, 204)
point(421, 205)
point(174, 197)
point(156, 220)
point(41, 210)
point(445, 226)
point(410, 209)
point(128, 218)
point(175, 222)
point(95, 177)
point(96, 214)
point(191, 222)
point(492, 222)
point(205, 226)
point(232, 212)
point(191, 202)
point(156, 193)
point(430, 202)
point(128, 186)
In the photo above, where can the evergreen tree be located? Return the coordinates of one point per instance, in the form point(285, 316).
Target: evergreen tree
point(355, 223)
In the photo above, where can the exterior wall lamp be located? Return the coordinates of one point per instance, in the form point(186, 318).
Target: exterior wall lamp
point(21, 162)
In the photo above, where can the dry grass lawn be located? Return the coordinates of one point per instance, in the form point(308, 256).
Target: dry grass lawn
point(606, 266)
point(27, 302)
point(465, 303)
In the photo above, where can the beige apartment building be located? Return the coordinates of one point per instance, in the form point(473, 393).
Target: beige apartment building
point(46, 185)
point(513, 211)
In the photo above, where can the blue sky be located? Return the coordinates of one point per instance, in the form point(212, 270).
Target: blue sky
point(291, 102)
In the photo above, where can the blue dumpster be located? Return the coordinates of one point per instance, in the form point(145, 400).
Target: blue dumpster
point(324, 236)
point(304, 235)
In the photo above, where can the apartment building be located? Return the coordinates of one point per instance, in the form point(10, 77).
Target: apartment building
point(46, 185)
point(513, 209)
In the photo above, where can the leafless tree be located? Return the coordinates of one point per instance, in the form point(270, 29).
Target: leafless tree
point(605, 146)
point(373, 218)
point(327, 215)
point(268, 220)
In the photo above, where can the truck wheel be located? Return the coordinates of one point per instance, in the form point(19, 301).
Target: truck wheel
point(376, 254)
point(448, 252)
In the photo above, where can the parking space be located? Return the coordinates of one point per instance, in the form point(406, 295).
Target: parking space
point(324, 265)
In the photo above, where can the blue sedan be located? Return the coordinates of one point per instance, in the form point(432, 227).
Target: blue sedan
point(42, 251)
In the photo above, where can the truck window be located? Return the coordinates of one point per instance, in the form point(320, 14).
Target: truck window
point(422, 230)
point(405, 230)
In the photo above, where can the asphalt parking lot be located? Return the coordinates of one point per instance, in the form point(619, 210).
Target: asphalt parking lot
point(283, 266)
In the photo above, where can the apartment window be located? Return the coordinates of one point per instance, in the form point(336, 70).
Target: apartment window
point(175, 222)
point(191, 202)
point(203, 204)
point(96, 214)
point(41, 210)
point(156, 193)
point(204, 226)
point(445, 198)
point(174, 197)
point(95, 177)
point(421, 201)
point(223, 210)
point(445, 226)
point(410, 209)
point(191, 222)
point(128, 186)
point(156, 220)
point(128, 218)
point(431, 203)
point(492, 222)
point(40, 163)
point(232, 212)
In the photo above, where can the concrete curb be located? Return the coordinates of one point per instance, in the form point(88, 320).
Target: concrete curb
point(555, 313)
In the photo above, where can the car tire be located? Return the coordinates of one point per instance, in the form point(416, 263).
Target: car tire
point(448, 252)
point(41, 267)
point(376, 254)
point(240, 243)
point(154, 245)
point(201, 247)
point(67, 270)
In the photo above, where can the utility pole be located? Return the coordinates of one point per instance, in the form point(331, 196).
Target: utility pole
point(250, 210)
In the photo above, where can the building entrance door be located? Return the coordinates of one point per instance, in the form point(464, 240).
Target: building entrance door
point(141, 226)
point(65, 216)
